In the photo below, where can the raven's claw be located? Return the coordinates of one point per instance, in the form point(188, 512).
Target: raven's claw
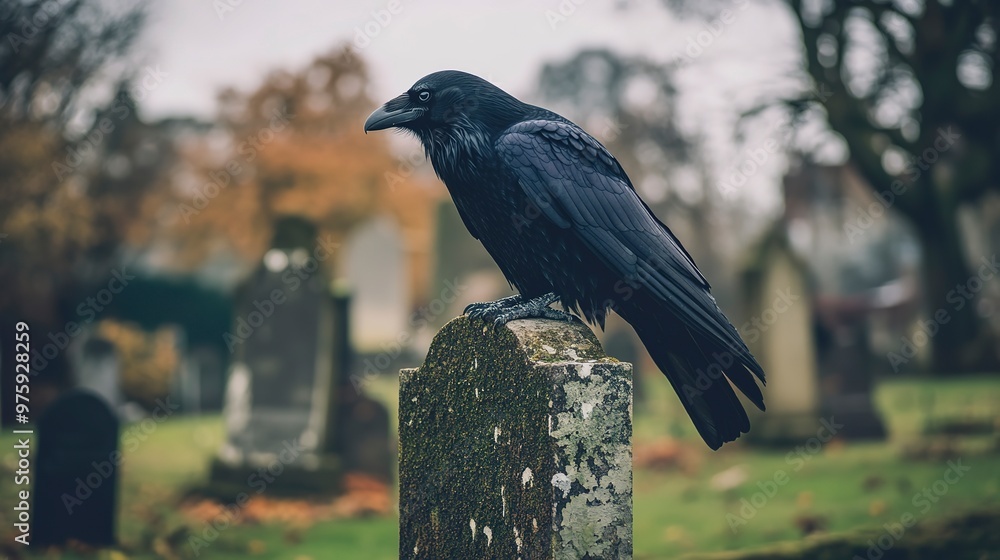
point(511, 308)
point(490, 308)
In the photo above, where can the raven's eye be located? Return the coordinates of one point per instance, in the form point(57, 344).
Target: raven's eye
point(424, 96)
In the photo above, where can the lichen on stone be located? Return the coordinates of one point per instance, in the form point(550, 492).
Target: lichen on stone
point(521, 382)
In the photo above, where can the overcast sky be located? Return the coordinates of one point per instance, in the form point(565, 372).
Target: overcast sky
point(749, 55)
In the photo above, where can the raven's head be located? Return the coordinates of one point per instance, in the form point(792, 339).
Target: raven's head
point(447, 104)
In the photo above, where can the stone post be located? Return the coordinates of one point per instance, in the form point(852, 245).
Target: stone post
point(516, 442)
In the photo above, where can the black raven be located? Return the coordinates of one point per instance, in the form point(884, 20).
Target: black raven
point(562, 220)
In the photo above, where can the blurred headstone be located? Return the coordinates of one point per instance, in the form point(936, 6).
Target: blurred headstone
point(200, 382)
point(279, 393)
point(361, 424)
point(376, 271)
point(147, 360)
point(285, 385)
point(76, 484)
point(457, 253)
point(211, 376)
point(778, 328)
point(459, 260)
point(187, 385)
point(845, 369)
point(98, 370)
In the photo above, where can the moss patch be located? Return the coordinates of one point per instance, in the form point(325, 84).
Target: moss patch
point(515, 442)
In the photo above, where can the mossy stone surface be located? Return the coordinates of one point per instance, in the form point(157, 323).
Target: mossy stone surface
point(515, 442)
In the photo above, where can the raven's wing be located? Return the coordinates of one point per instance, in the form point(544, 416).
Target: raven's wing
point(579, 186)
point(577, 183)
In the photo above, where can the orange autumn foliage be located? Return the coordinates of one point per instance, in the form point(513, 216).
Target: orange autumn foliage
point(292, 146)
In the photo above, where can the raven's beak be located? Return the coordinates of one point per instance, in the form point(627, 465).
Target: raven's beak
point(394, 113)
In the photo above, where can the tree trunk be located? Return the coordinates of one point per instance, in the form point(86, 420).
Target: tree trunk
point(960, 339)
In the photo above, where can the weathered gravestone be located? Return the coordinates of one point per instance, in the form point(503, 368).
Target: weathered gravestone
point(76, 484)
point(285, 384)
point(779, 332)
point(279, 393)
point(515, 442)
point(624, 344)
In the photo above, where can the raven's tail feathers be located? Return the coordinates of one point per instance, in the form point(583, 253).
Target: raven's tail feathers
point(700, 368)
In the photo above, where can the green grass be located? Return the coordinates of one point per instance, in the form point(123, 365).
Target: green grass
point(676, 514)
point(676, 511)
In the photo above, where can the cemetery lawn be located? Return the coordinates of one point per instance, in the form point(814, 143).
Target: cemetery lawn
point(840, 488)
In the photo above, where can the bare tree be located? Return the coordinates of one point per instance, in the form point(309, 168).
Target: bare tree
point(913, 93)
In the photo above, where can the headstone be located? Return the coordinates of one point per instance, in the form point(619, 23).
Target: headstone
point(459, 260)
point(211, 376)
point(290, 386)
point(622, 343)
point(98, 370)
point(280, 391)
point(845, 373)
point(76, 485)
point(457, 253)
point(361, 424)
point(376, 270)
point(200, 381)
point(186, 386)
point(515, 442)
point(779, 332)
